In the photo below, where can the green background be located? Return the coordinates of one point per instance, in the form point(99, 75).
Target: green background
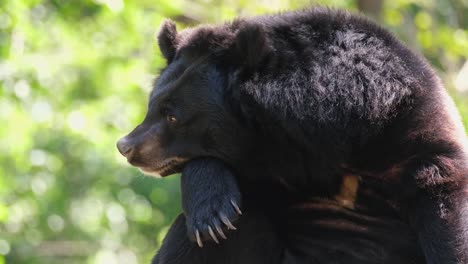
point(74, 77)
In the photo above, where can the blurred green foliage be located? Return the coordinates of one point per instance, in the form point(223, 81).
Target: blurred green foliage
point(74, 76)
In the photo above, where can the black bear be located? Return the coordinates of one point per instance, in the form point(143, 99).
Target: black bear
point(312, 136)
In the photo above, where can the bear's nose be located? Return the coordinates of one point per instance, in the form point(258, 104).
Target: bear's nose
point(124, 146)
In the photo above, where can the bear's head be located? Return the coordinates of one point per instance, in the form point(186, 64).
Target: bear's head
point(192, 110)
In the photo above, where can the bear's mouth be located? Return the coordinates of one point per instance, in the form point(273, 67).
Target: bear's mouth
point(165, 168)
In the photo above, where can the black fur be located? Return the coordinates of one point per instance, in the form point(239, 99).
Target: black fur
point(290, 104)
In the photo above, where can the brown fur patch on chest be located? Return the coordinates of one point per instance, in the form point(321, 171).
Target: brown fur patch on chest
point(348, 191)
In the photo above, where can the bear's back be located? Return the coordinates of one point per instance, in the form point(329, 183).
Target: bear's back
point(328, 64)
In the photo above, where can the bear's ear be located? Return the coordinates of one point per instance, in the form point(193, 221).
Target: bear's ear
point(167, 38)
point(251, 45)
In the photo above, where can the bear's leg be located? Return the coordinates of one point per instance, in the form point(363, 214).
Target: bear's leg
point(211, 200)
point(435, 210)
point(254, 242)
point(176, 247)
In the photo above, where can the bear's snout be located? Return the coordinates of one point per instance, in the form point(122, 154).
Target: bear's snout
point(124, 147)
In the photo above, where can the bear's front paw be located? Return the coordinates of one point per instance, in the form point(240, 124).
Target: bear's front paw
point(213, 217)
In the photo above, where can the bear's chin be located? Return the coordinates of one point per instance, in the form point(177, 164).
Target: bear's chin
point(159, 174)
point(170, 167)
point(154, 174)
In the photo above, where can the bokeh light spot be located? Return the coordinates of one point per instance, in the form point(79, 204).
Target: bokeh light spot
point(55, 223)
point(4, 247)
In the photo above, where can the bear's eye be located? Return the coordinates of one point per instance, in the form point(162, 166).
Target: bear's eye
point(171, 119)
point(169, 116)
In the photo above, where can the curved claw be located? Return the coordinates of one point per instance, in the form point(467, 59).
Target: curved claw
point(227, 222)
point(212, 234)
point(220, 231)
point(199, 241)
point(236, 207)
